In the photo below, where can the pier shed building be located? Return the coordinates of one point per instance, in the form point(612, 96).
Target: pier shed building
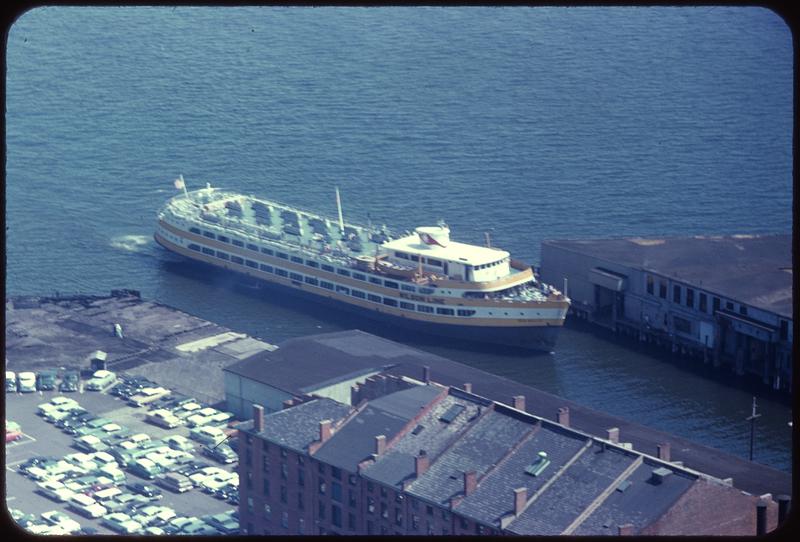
point(724, 299)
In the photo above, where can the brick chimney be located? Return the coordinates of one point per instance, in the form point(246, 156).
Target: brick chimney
point(663, 451)
point(470, 482)
point(783, 507)
point(613, 435)
point(468, 387)
point(563, 416)
point(520, 498)
point(426, 374)
point(324, 430)
point(380, 444)
point(625, 530)
point(258, 418)
point(421, 463)
point(519, 402)
point(761, 518)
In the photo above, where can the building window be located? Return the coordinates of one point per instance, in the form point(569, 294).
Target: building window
point(281, 272)
point(375, 280)
point(321, 510)
point(222, 255)
point(370, 505)
point(703, 302)
point(300, 502)
point(729, 305)
point(464, 523)
point(414, 504)
point(650, 285)
point(682, 325)
point(351, 498)
point(784, 333)
point(267, 512)
point(716, 304)
point(351, 522)
point(336, 516)
point(336, 491)
point(321, 468)
point(742, 310)
point(415, 522)
point(312, 281)
point(445, 515)
point(285, 520)
point(343, 272)
point(284, 471)
point(249, 479)
point(284, 495)
point(266, 487)
point(209, 251)
point(312, 263)
point(424, 308)
point(353, 479)
point(689, 298)
point(301, 526)
point(265, 463)
point(384, 511)
point(325, 284)
point(383, 492)
point(466, 312)
point(296, 276)
point(301, 477)
point(391, 284)
point(252, 247)
point(250, 504)
point(295, 259)
point(266, 268)
point(676, 293)
point(370, 487)
point(208, 234)
point(374, 298)
point(282, 255)
point(321, 487)
point(429, 510)
point(358, 293)
point(248, 456)
point(662, 289)
point(398, 517)
point(407, 305)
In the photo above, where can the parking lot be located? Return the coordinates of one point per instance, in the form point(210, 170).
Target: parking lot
point(40, 438)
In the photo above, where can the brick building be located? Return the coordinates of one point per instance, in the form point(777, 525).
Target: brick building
point(416, 458)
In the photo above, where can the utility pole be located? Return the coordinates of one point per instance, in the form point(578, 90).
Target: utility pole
point(752, 419)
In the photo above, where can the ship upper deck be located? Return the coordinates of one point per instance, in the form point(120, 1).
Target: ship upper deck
point(454, 251)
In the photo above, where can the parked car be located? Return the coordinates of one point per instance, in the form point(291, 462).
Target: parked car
point(207, 435)
point(11, 381)
point(90, 443)
point(146, 490)
point(163, 418)
point(87, 506)
point(75, 419)
point(221, 453)
point(91, 427)
point(121, 523)
point(26, 382)
point(100, 380)
point(13, 431)
point(176, 482)
point(145, 468)
point(179, 442)
point(126, 502)
point(70, 381)
point(55, 517)
point(54, 490)
point(148, 395)
point(63, 412)
point(46, 380)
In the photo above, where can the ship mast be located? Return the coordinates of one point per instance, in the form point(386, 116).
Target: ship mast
point(339, 208)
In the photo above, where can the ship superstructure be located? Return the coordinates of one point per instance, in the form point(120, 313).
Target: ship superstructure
point(420, 279)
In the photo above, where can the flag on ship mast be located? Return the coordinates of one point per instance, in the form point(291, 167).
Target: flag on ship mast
point(180, 184)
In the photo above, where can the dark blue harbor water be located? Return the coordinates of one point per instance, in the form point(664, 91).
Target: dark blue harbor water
point(535, 122)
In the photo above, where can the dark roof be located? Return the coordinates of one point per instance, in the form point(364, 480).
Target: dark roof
point(749, 269)
point(640, 504)
point(298, 426)
point(494, 496)
point(487, 440)
point(576, 488)
point(355, 440)
point(326, 359)
point(433, 436)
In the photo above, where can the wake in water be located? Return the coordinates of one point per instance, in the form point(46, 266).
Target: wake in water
point(131, 243)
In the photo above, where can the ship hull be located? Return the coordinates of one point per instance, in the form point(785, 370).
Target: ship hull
point(540, 338)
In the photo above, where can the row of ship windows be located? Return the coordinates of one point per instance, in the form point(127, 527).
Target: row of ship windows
point(297, 277)
point(311, 263)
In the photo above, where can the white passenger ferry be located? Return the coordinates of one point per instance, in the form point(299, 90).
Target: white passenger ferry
point(421, 280)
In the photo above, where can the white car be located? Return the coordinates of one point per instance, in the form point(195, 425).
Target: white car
point(11, 381)
point(207, 435)
point(27, 381)
point(55, 490)
point(179, 442)
point(154, 514)
point(55, 517)
point(103, 458)
point(45, 408)
point(122, 523)
point(63, 401)
point(87, 506)
point(100, 380)
point(163, 418)
point(216, 481)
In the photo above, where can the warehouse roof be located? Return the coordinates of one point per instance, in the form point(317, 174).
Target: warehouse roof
point(297, 427)
point(752, 269)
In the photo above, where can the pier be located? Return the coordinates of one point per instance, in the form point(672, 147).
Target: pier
point(722, 301)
